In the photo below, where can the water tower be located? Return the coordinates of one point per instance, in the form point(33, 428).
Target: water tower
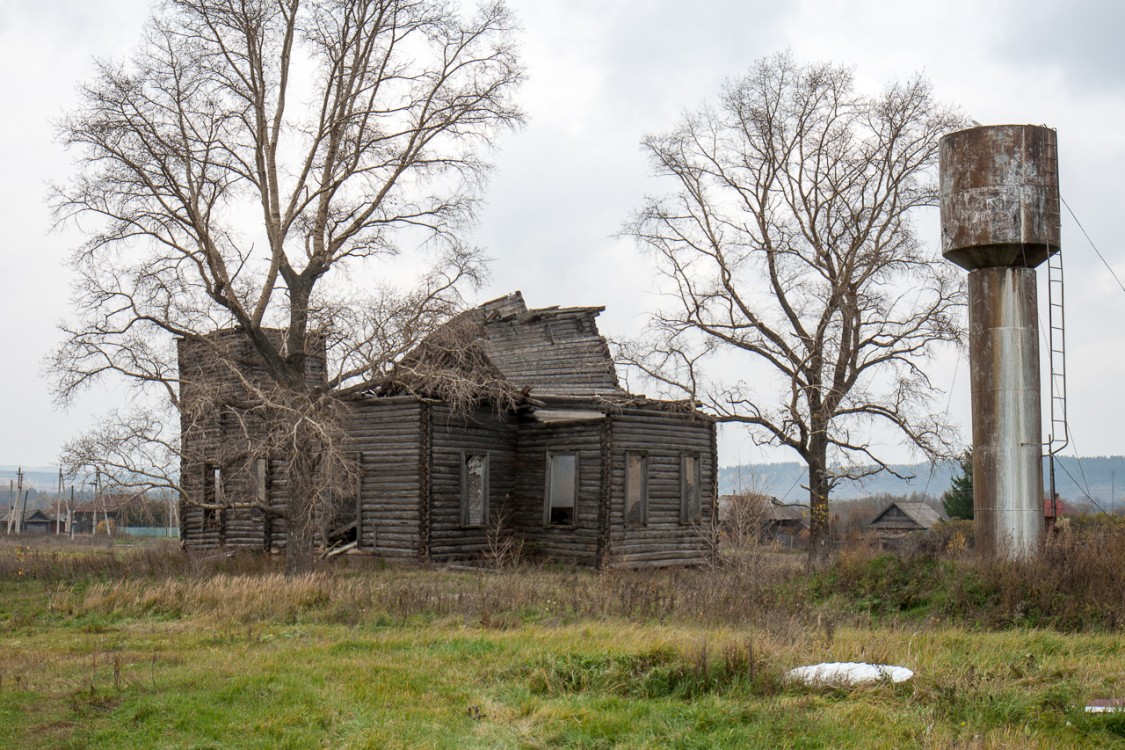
point(1000, 219)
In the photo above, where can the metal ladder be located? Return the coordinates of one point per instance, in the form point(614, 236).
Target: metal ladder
point(1059, 436)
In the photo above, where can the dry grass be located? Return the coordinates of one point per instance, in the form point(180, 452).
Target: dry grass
point(1076, 583)
point(55, 559)
point(762, 594)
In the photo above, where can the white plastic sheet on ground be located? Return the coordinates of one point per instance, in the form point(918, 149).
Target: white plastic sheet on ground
point(1106, 706)
point(849, 673)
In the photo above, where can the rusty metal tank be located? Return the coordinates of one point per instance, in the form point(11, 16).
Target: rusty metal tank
point(1000, 196)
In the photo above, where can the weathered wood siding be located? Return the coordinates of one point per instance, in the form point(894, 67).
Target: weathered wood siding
point(193, 534)
point(451, 438)
point(386, 435)
point(664, 437)
point(218, 429)
point(244, 528)
point(553, 351)
point(578, 543)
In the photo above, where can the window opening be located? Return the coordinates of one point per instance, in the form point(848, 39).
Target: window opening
point(562, 488)
point(691, 506)
point(260, 492)
point(359, 503)
point(212, 495)
point(636, 489)
point(474, 489)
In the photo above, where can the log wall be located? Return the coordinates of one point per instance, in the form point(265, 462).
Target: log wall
point(664, 437)
point(219, 429)
point(578, 543)
point(386, 434)
point(451, 438)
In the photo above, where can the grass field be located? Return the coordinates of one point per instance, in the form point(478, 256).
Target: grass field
point(143, 648)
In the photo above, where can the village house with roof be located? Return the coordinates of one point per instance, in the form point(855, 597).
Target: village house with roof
point(901, 518)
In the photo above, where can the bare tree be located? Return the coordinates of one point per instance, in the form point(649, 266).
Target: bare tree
point(251, 163)
point(746, 519)
point(788, 241)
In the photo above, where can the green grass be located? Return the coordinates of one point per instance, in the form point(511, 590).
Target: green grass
point(139, 653)
point(455, 685)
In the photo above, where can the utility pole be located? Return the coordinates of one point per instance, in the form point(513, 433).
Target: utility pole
point(70, 514)
point(22, 505)
point(58, 505)
point(99, 501)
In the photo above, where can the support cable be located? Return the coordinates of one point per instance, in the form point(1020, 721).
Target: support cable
point(1095, 247)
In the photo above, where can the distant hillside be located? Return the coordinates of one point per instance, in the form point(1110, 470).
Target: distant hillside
point(43, 478)
point(1102, 477)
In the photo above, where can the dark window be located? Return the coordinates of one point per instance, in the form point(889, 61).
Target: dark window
point(212, 495)
point(636, 489)
point(562, 488)
point(474, 488)
point(691, 506)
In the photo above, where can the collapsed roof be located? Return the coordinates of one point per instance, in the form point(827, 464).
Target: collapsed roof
point(552, 351)
point(507, 352)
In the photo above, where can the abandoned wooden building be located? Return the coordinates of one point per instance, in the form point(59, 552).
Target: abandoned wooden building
point(565, 463)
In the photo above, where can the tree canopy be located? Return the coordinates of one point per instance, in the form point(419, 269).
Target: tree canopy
point(958, 499)
point(240, 171)
point(787, 250)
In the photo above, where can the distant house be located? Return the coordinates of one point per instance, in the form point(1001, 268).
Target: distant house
point(766, 518)
point(106, 507)
point(1052, 512)
point(38, 522)
point(787, 524)
point(901, 518)
point(34, 522)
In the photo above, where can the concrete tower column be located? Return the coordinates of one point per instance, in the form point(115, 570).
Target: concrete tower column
point(1007, 463)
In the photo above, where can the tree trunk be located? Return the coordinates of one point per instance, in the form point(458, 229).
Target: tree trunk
point(302, 504)
point(819, 516)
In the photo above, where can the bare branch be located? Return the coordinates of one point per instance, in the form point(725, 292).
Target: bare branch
point(233, 171)
point(788, 239)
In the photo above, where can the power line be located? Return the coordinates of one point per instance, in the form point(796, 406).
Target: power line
point(1084, 487)
point(948, 405)
point(1080, 489)
point(1087, 236)
point(795, 482)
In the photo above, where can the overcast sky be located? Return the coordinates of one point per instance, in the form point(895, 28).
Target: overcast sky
point(602, 73)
